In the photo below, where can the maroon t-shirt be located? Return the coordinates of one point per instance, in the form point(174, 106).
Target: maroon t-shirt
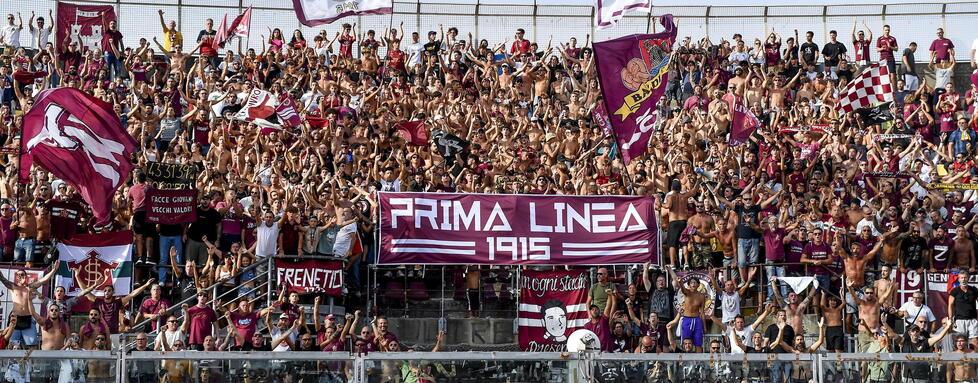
point(818, 252)
point(603, 330)
point(941, 48)
point(201, 320)
point(250, 231)
point(152, 306)
point(245, 324)
point(290, 310)
point(941, 252)
point(290, 238)
point(110, 308)
point(885, 41)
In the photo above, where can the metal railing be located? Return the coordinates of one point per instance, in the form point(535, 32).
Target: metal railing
point(496, 21)
point(465, 366)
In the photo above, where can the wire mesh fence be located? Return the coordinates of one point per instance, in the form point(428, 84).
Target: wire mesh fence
point(496, 23)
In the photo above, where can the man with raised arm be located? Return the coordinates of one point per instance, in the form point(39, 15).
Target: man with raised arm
point(110, 305)
point(20, 294)
point(691, 322)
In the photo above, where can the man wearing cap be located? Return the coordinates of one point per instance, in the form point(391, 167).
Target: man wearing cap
point(598, 323)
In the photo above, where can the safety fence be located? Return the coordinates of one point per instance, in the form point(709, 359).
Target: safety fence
point(496, 21)
point(486, 367)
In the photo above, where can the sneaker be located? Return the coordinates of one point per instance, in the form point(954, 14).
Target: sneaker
point(149, 262)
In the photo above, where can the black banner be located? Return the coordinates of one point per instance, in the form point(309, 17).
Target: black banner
point(449, 144)
point(172, 176)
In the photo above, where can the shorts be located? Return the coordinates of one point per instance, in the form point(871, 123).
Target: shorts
point(911, 82)
point(691, 328)
point(474, 303)
point(700, 256)
point(25, 331)
point(835, 339)
point(891, 65)
point(966, 327)
point(140, 226)
point(672, 234)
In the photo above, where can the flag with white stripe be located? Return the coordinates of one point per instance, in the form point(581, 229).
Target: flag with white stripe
point(552, 305)
point(104, 258)
point(872, 86)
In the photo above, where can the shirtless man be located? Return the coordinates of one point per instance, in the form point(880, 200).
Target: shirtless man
point(832, 313)
point(794, 309)
point(677, 207)
point(699, 244)
point(54, 328)
point(855, 265)
point(691, 323)
point(963, 251)
point(884, 288)
point(20, 294)
point(963, 371)
point(26, 228)
point(891, 247)
point(725, 234)
point(869, 312)
point(779, 91)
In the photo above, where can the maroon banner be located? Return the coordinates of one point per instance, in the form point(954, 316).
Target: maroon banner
point(743, 123)
point(634, 72)
point(505, 229)
point(84, 23)
point(311, 276)
point(171, 207)
point(553, 304)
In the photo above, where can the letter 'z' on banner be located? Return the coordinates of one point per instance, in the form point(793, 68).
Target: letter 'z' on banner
point(497, 229)
point(634, 71)
point(311, 276)
point(553, 304)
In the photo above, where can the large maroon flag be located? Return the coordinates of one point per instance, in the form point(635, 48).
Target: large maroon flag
point(634, 71)
point(79, 139)
point(743, 123)
point(84, 23)
point(414, 132)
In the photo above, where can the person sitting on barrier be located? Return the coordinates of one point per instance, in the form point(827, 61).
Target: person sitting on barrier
point(20, 295)
point(691, 319)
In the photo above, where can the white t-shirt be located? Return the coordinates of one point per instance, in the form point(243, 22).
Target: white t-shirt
point(171, 338)
point(39, 37)
point(344, 240)
point(746, 337)
point(10, 35)
point(414, 53)
point(914, 312)
point(277, 334)
point(974, 47)
point(390, 186)
point(267, 241)
point(729, 306)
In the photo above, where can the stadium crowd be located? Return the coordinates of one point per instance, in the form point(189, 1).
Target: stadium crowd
point(812, 194)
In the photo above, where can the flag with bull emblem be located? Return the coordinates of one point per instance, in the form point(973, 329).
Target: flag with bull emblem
point(79, 139)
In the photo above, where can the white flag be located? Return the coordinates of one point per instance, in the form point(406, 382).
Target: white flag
point(317, 12)
point(608, 12)
point(92, 257)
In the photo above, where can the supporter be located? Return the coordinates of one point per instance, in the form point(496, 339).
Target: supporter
point(942, 59)
point(200, 322)
point(154, 307)
point(94, 329)
point(171, 36)
point(111, 306)
point(10, 33)
point(171, 333)
point(19, 291)
point(602, 292)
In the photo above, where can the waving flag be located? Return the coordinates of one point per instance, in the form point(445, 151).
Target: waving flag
point(93, 257)
point(414, 132)
point(79, 139)
point(222, 34)
point(608, 12)
point(259, 109)
point(743, 123)
point(84, 23)
point(870, 87)
point(633, 71)
point(241, 26)
point(877, 114)
point(286, 112)
point(317, 12)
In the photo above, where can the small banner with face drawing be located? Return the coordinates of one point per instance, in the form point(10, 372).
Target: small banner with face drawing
point(552, 305)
